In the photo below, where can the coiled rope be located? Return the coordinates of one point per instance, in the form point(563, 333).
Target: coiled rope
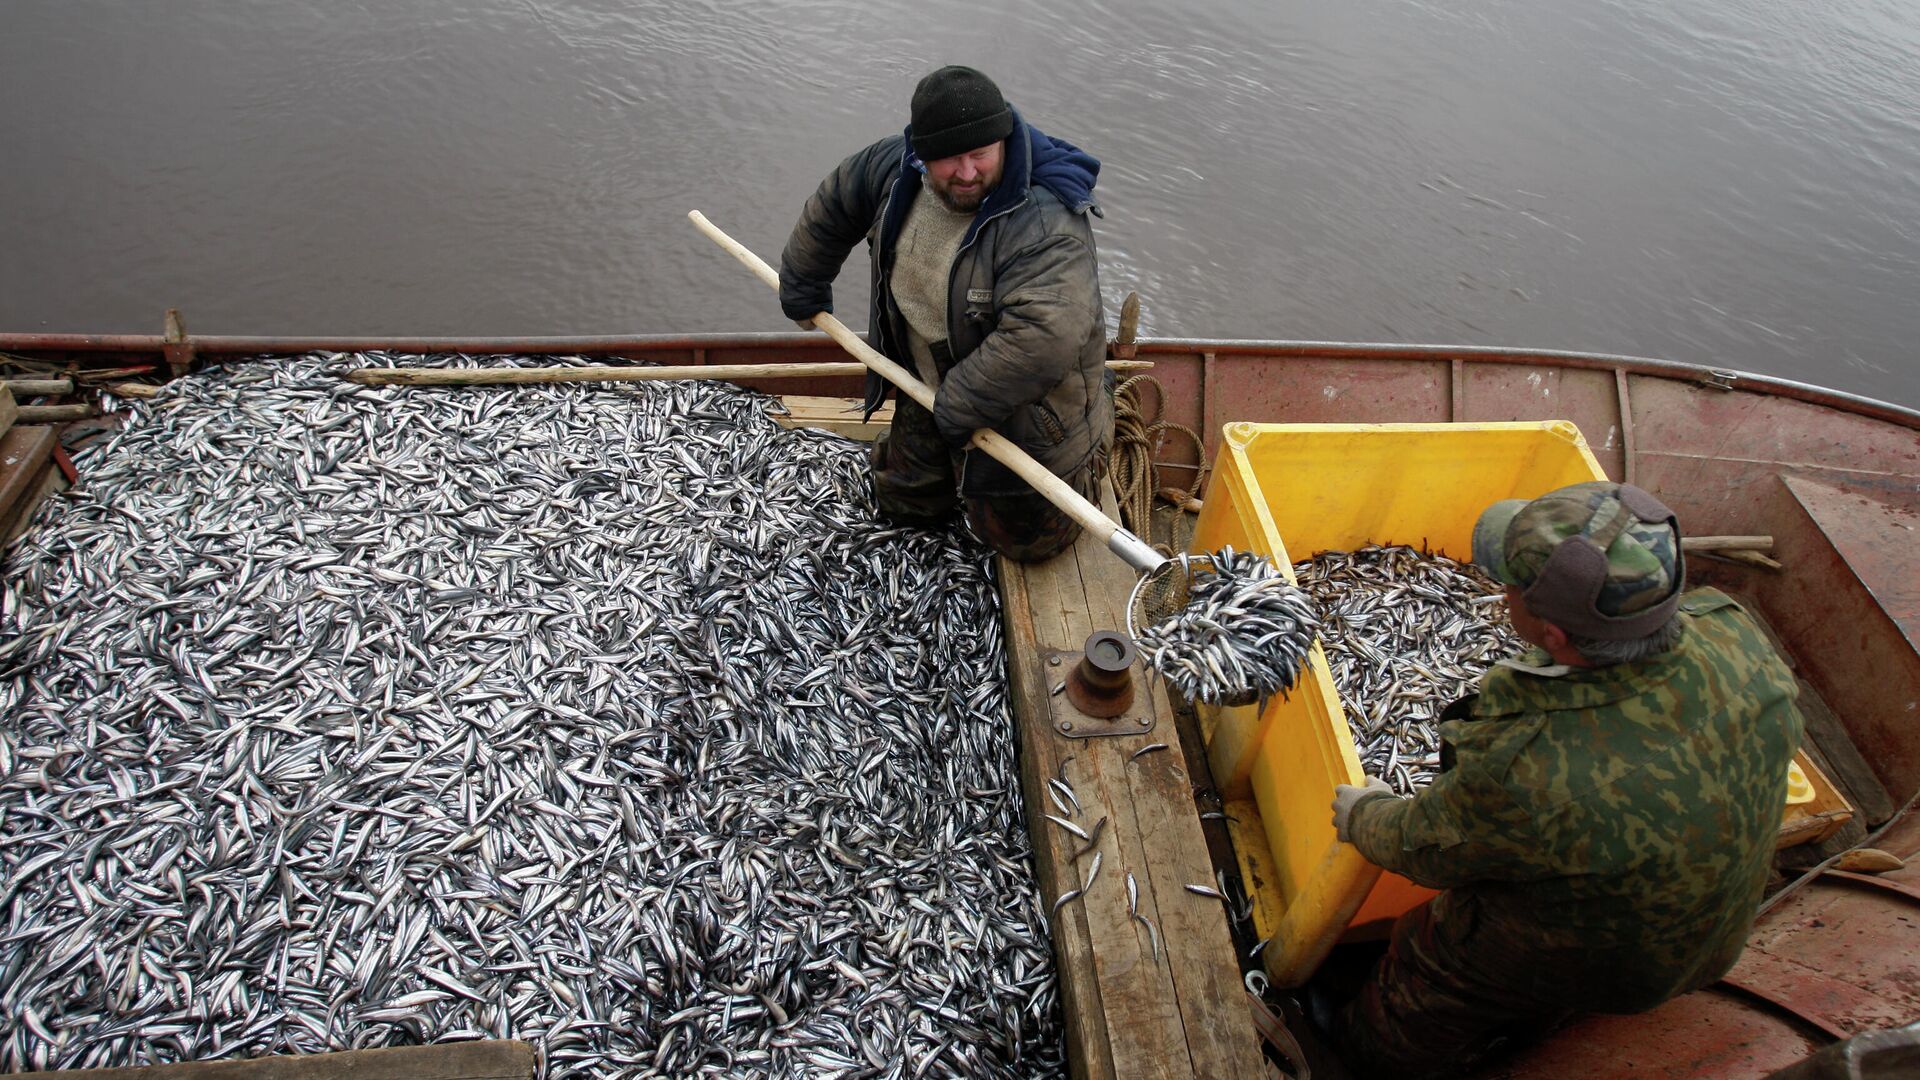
point(1135, 434)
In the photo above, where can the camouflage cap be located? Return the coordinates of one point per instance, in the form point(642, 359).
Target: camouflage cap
point(1599, 559)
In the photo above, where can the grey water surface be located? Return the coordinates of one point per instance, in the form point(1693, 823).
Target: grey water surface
point(1727, 182)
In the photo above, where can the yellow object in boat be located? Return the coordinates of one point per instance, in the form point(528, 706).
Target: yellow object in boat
point(1799, 788)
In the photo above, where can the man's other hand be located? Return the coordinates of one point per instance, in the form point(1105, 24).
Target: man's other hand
point(1346, 797)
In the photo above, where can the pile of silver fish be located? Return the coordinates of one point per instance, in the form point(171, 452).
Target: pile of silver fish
point(335, 716)
point(1243, 634)
point(1405, 634)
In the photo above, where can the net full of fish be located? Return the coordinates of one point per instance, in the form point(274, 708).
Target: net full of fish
point(1405, 634)
point(611, 719)
point(1242, 634)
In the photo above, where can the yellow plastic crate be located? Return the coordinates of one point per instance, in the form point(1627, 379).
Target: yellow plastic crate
point(1289, 491)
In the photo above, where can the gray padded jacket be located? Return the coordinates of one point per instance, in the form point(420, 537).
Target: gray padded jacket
point(1026, 327)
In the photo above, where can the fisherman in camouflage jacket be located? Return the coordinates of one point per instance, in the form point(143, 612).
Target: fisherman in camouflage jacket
point(1605, 817)
point(985, 284)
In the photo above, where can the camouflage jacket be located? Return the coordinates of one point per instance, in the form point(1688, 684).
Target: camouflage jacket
point(1604, 834)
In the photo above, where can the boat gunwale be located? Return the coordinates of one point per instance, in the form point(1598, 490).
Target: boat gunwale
point(1722, 378)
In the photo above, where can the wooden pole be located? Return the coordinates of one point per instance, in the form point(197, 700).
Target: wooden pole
point(1118, 540)
point(46, 414)
point(591, 373)
point(481, 1059)
point(1726, 543)
point(25, 388)
point(620, 373)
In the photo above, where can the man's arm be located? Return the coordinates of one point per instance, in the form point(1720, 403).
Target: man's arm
point(1464, 827)
point(1049, 300)
point(836, 217)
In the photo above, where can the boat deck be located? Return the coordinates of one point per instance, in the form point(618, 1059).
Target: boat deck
point(1135, 1007)
point(1834, 480)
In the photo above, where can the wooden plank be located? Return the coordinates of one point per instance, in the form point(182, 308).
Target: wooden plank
point(15, 521)
point(9, 411)
point(836, 414)
point(1142, 1011)
point(1196, 943)
point(488, 1059)
point(1131, 1012)
point(1089, 1055)
point(23, 453)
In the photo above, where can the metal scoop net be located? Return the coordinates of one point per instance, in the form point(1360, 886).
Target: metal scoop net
point(1226, 628)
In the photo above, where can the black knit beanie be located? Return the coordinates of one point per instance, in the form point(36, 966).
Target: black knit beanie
point(957, 109)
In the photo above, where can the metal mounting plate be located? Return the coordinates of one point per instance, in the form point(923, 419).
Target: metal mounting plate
point(1071, 723)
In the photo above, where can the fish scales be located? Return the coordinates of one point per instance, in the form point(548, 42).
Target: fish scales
point(610, 718)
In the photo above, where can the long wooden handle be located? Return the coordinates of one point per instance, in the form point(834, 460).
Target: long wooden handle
point(505, 376)
point(581, 373)
point(1118, 540)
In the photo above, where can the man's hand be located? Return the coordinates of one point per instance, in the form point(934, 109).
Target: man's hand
point(804, 324)
point(1346, 797)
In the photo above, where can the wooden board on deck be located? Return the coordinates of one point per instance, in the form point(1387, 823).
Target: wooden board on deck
point(1128, 1013)
point(9, 409)
point(14, 521)
point(838, 415)
point(24, 452)
point(488, 1059)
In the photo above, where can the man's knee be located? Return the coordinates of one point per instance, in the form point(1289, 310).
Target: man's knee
point(912, 486)
point(1022, 542)
point(1018, 521)
point(923, 505)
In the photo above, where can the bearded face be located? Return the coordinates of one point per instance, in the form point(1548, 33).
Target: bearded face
point(962, 182)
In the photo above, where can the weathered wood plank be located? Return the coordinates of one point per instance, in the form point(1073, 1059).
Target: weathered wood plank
point(15, 520)
point(9, 410)
point(1197, 946)
point(490, 1059)
point(23, 453)
point(838, 415)
point(1140, 1018)
point(1089, 1054)
point(1131, 1012)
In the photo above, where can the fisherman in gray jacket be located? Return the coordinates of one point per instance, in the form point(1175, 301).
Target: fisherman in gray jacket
point(985, 284)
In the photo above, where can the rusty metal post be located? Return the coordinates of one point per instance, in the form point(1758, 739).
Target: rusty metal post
point(178, 348)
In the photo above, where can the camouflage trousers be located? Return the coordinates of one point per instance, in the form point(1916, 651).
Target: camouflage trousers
point(918, 480)
point(1420, 1016)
